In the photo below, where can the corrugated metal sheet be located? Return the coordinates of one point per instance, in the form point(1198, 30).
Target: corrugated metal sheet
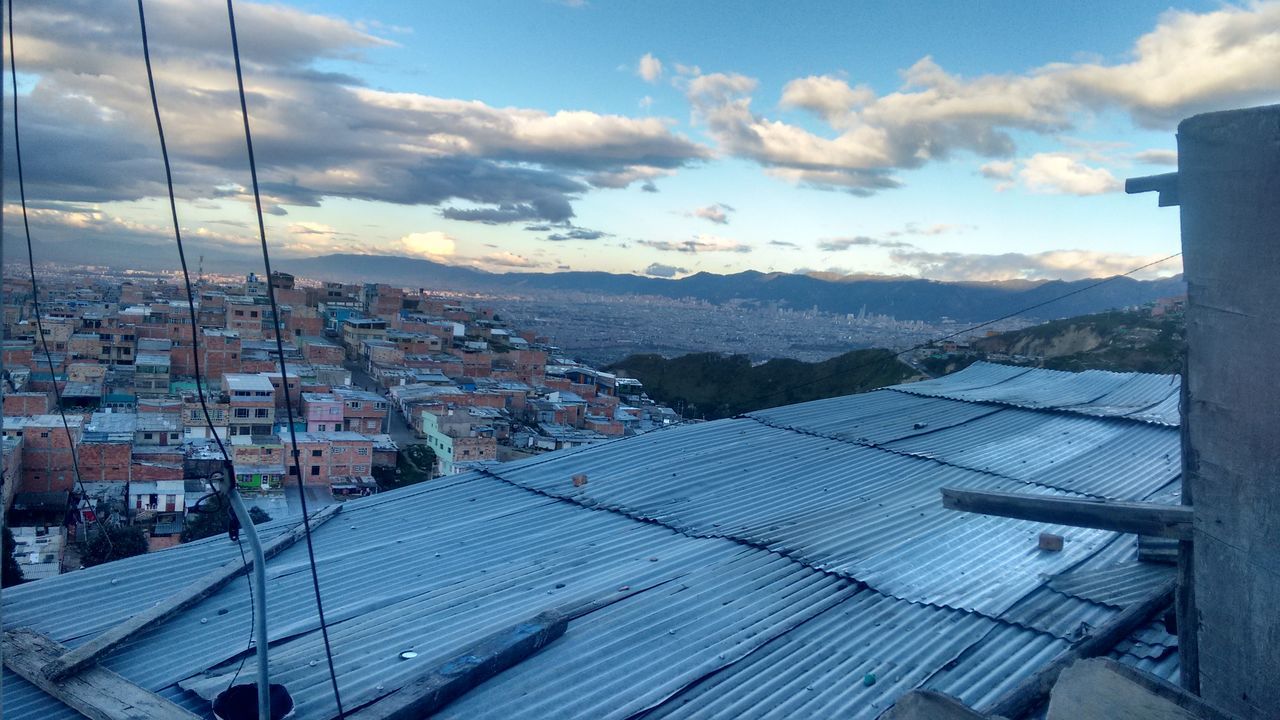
point(994, 665)
point(1104, 458)
point(1063, 616)
point(820, 670)
point(636, 653)
point(1137, 396)
point(865, 513)
point(1151, 649)
point(757, 557)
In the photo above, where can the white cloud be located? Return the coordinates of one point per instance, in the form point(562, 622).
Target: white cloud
point(1189, 63)
point(433, 244)
point(998, 170)
point(508, 259)
point(509, 163)
point(717, 213)
point(663, 271)
point(828, 96)
point(649, 68)
point(1157, 157)
point(1064, 174)
point(1052, 264)
point(698, 244)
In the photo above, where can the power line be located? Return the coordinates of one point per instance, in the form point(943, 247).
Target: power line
point(284, 376)
point(35, 295)
point(228, 465)
point(972, 328)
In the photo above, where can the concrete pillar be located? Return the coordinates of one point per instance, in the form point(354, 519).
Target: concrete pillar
point(1228, 188)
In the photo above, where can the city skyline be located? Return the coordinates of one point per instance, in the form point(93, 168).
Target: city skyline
point(942, 141)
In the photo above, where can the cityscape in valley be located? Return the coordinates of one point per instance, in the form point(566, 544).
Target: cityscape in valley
point(386, 387)
point(590, 360)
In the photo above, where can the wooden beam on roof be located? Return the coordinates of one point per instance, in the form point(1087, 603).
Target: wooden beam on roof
point(1171, 521)
point(1029, 694)
point(95, 692)
point(443, 684)
point(193, 593)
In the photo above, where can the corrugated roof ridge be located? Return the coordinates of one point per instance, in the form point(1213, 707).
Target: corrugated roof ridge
point(854, 582)
point(918, 456)
point(602, 507)
point(1132, 416)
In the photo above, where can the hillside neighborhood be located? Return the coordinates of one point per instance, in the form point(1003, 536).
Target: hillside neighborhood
point(386, 387)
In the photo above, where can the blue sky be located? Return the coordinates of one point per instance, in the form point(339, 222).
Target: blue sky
point(955, 141)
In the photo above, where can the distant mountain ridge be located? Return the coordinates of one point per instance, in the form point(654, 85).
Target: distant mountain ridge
point(903, 298)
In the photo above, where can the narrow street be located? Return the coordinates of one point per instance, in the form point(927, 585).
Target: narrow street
point(399, 430)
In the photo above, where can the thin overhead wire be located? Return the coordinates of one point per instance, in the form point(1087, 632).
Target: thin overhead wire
point(228, 466)
point(972, 328)
point(284, 378)
point(35, 293)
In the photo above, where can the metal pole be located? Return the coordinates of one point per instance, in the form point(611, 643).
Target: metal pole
point(259, 599)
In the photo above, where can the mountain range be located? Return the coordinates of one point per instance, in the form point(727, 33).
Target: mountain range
point(902, 298)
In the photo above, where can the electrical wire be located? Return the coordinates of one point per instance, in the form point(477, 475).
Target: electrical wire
point(228, 466)
point(284, 380)
point(971, 328)
point(35, 296)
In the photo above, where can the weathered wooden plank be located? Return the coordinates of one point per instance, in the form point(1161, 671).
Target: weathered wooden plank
point(1031, 692)
point(444, 684)
point(94, 692)
point(1172, 521)
point(1103, 688)
point(193, 593)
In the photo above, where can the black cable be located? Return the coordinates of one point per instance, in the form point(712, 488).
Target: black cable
point(971, 328)
point(228, 466)
point(284, 379)
point(177, 234)
point(35, 295)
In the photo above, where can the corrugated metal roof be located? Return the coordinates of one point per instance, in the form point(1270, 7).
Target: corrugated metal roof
point(900, 644)
point(1138, 396)
point(755, 566)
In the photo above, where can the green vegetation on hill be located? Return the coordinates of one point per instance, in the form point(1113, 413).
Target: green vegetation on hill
point(1121, 341)
point(713, 386)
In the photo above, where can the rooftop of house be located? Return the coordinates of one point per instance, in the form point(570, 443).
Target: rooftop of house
point(247, 382)
point(794, 562)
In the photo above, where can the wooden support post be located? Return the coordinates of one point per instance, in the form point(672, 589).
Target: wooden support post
point(1032, 691)
point(1173, 521)
point(95, 692)
point(441, 685)
point(193, 593)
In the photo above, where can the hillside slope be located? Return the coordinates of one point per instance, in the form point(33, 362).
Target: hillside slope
point(713, 386)
point(1122, 341)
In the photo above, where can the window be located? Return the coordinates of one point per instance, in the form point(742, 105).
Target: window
point(260, 412)
point(239, 313)
point(339, 450)
point(293, 469)
point(173, 436)
point(316, 453)
point(315, 470)
point(362, 451)
point(321, 427)
point(242, 412)
point(354, 404)
point(359, 468)
point(146, 436)
point(253, 313)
